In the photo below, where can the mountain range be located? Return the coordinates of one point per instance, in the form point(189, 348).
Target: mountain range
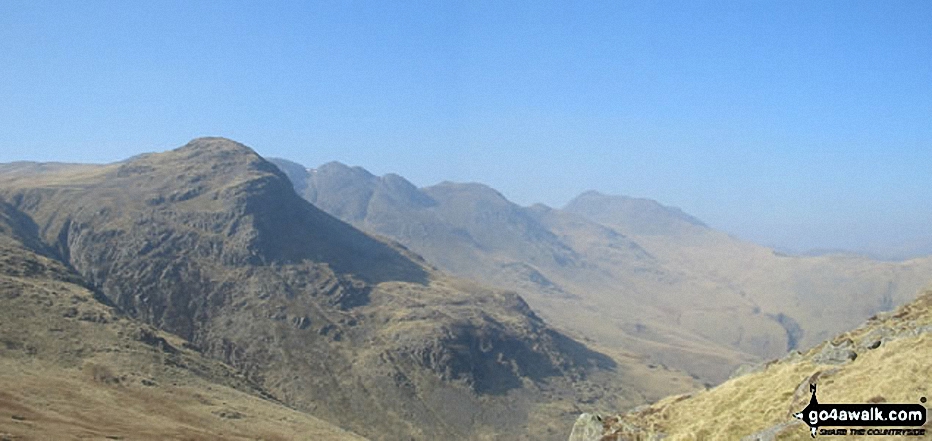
point(208, 293)
point(199, 273)
point(625, 274)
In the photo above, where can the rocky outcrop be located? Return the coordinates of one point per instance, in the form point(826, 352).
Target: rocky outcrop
point(588, 427)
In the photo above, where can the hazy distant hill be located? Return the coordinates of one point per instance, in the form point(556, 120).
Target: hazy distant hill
point(634, 216)
point(627, 273)
point(211, 243)
point(469, 229)
point(883, 361)
point(824, 295)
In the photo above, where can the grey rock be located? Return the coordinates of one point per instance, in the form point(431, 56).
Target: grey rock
point(836, 354)
point(588, 427)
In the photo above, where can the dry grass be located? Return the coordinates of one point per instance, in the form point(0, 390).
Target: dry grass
point(40, 401)
point(895, 372)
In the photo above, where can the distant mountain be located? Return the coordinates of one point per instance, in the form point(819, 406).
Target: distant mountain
point(210, 245)
point(469, 229)
point(634, 216)
point(473, 231)
point(629, 274)
point(883, 361)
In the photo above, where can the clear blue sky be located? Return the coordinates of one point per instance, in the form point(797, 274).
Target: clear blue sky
point(796, 124)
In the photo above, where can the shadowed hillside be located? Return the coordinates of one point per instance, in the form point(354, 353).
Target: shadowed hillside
point(73, 367)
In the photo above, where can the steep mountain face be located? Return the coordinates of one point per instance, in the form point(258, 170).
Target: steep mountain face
point(210, 242)
point(630, 274)
point(883, 361)
point(576, 277)
point(74, 367)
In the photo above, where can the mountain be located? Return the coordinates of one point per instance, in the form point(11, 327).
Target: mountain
point(574, 277)
point(885, 360)
point(210, 244)
point(446, 223)
point(812, 297)
point(634, 216)
point(628, 274)
point(473, 231)
point(73, 366)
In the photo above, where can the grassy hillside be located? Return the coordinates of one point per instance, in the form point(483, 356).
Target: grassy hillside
point(884, 360)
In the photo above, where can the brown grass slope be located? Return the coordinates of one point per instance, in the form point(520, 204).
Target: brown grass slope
point(72, 367)
point(884, 360)
point(210, 242)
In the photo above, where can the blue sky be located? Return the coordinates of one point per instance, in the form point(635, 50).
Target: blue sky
point(795, 124)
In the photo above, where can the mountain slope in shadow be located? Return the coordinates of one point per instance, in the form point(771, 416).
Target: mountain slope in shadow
point(74, 367)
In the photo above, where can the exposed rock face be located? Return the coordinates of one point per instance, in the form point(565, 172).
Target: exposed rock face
point(836, 354)
point(210, 242)
point(73, 366)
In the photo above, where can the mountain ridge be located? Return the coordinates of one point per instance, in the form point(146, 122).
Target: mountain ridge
point(691, 291)
point(210, 242)
point(636, 216)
